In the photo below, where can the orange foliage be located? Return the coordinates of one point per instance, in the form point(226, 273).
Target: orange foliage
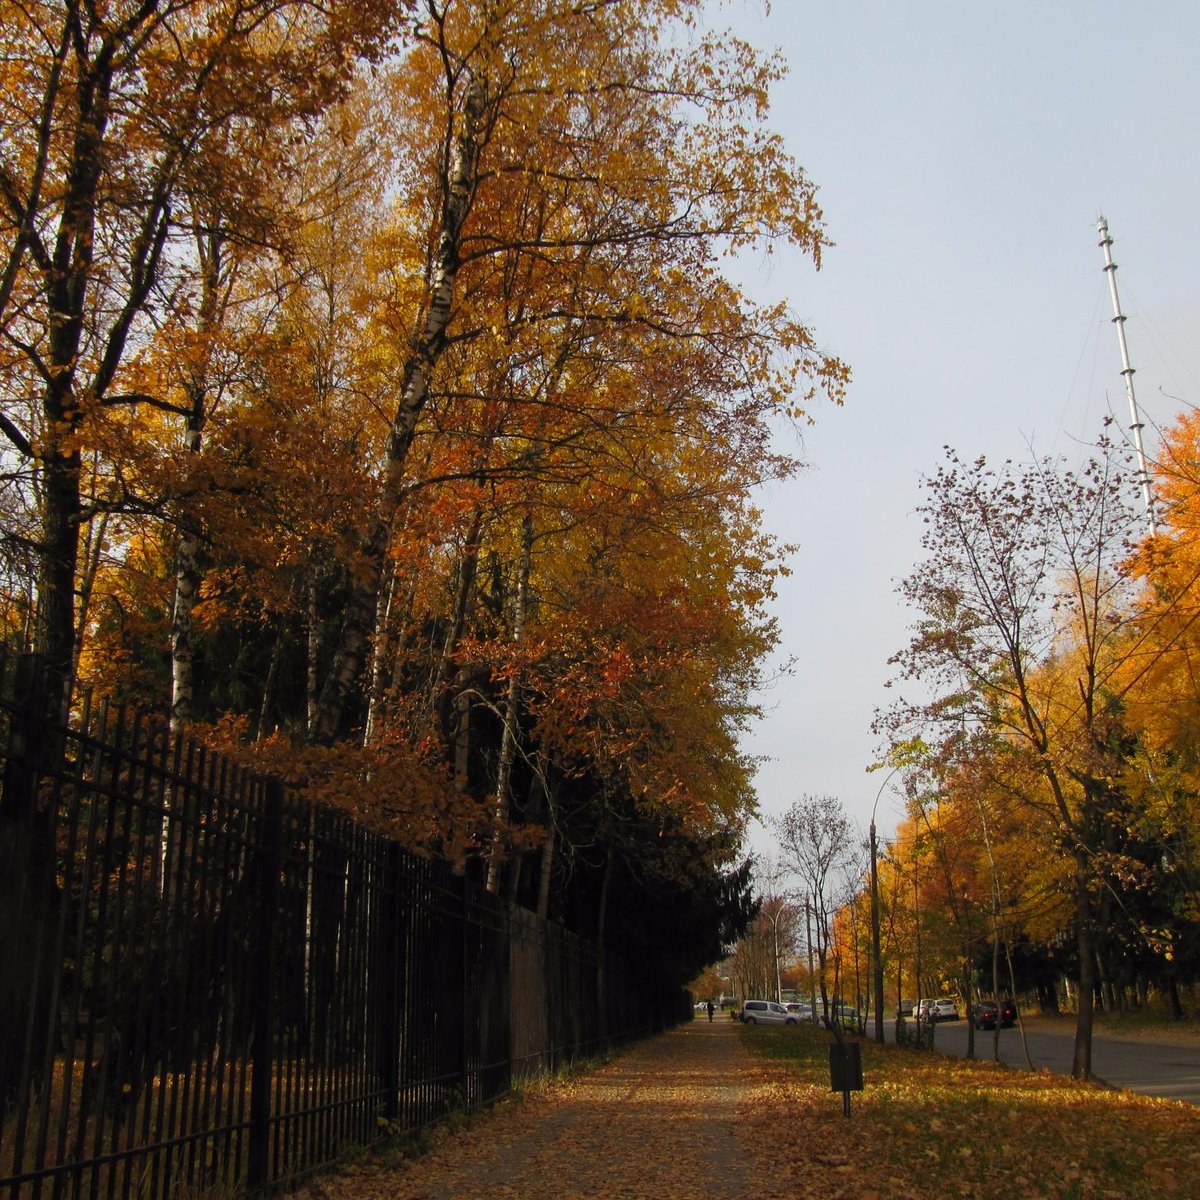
point(388, 788)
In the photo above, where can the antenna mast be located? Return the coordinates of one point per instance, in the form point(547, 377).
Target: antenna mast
point(1135, 420)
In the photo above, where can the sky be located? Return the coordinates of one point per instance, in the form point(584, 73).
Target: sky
point(964, 152)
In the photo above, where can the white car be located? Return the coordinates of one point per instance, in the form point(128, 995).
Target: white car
point(943, 1010)
point(767, 1012)
point(803, 1010)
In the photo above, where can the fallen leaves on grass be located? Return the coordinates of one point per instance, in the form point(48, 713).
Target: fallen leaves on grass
point(928, 1125)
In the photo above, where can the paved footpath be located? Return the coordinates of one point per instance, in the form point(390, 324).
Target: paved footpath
point(659, 1120)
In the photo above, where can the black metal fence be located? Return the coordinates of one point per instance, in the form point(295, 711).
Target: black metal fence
point(207, 982)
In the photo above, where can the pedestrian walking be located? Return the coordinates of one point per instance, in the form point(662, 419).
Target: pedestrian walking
point(710, 1010)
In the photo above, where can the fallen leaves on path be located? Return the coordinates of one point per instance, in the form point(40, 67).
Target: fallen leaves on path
point(699, 1112)
point(661, 1120)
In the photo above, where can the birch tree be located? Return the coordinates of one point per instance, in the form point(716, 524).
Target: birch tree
point(605, 183)
point(106, 114)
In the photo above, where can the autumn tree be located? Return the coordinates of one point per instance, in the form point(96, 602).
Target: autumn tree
point(584, 412)
point(779, 910)
point(107, 115)
point(606, 185)
point(956, 897)
point(1162, 778)
point(1022, 604)
point(752, 962)
point(410, 408)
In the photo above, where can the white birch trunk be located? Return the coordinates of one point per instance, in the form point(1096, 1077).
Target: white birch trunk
point(508, 740)
point(380, 646)
point(213, 301)
point(460, 181)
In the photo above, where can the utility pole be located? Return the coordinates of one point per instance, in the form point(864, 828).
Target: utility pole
point(812, 983)
point(778, 903)
point(876, 952)
point(877, 960)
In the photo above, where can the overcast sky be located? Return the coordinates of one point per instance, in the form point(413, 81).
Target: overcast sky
point(964, 152)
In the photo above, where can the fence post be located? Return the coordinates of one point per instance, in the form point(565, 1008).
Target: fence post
point(263, 948)
point(28, 891)
point(465, 949)
point(389, 987)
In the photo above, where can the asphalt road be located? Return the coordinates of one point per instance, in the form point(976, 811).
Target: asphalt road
point(1154, 1069)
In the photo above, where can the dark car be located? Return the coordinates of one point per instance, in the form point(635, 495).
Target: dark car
point(987, 1012)
point(984, 1014)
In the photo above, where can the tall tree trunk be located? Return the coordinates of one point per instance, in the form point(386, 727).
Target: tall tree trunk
point(214, 296)
point(1012, 991)
point(545, 869)
point(462, 733)
point(379, 657)
point(508, 739)
point(54, 636)
point(67, 274)
point(1173, 993)
point(995, 874)
point(210, 245)
point(92, 552)
point(187, 592)
point(1081, 1062)
point(183, 607)
point(442, 694)
point(264, 711)
point(966, 966)
point(312, 623)
point(458, 193)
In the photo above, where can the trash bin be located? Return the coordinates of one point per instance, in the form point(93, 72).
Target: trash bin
point(845, 1067)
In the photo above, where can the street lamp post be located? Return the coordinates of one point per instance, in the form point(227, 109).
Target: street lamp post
point(877, 959)
point(778, 904)
point(812, 982)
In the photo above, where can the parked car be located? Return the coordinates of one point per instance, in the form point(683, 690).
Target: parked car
point(921, 1009)
point(984, 1014)
point(802, 1009)
point(767, 1012)
point(943, 1010)
point(905, 1008)
point(846, 1015)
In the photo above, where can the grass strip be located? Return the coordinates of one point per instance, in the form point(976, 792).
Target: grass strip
point(932, 1125)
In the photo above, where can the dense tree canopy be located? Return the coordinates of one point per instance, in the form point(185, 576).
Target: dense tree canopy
point(375, 396)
